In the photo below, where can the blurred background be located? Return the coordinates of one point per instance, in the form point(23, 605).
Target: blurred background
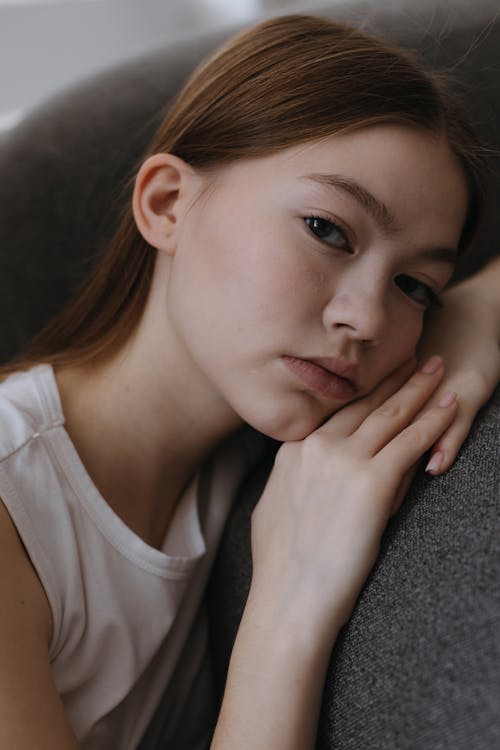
point(45, 45)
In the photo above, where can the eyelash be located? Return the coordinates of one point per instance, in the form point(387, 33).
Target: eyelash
point(431, 298)
point(309, 220)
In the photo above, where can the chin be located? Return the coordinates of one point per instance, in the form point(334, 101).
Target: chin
point(288, 427)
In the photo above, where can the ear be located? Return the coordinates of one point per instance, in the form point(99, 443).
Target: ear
point(164, 187)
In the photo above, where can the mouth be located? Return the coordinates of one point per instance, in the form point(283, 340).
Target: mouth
point(333, 378)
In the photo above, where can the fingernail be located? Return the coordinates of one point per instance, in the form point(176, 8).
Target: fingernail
point(435, 463)
point(432, 365)
point(447, 399)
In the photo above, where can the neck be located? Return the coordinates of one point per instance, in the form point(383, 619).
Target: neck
point(143, 423)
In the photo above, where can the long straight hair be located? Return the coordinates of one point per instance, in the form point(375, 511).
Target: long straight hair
point(286, 81)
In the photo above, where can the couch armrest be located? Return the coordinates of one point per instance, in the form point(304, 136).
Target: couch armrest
point(418, 664)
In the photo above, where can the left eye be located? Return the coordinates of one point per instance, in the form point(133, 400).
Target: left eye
point(417, 291)
point(328, 232)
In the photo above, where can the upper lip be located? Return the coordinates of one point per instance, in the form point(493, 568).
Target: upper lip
point(338, 366)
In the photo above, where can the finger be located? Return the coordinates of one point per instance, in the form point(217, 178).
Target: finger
point(406, 448)
point(473, 393)
point(446, 450)
point(345, 421)
point(389, 419)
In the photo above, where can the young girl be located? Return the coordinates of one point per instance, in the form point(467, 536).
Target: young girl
point(302, 206)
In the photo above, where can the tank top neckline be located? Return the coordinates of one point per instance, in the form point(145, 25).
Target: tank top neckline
point(184, 533)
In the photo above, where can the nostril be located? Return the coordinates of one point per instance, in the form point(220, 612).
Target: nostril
point(361, 316)
point(344, 325)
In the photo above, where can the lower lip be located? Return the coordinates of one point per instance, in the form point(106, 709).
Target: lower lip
point(320, 380)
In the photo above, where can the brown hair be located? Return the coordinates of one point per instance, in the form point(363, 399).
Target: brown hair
point(285, 81)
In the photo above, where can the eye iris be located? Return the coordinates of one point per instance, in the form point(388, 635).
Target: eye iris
point(321, 227)
point(416, 289)
point(409, 284)
point(326, 230)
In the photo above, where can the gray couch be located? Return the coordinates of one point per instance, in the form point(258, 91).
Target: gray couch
point(418, 665)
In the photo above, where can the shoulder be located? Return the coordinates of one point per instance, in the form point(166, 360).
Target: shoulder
point(29, 489)
point(29, 404)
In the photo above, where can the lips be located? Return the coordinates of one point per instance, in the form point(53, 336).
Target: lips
point(333, 378)
point(338, 366)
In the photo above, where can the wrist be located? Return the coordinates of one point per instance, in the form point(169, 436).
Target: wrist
point(486, 281)
point(303, 626)
point(478, 298)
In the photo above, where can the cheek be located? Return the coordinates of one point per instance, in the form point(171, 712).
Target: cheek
point(243, 275)
point(401, 343)
point(407, 333)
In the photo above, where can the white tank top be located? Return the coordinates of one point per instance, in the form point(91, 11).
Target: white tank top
point(125, 615)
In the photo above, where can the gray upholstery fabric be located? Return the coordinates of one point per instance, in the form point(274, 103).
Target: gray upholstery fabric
point(64, 176)
point(418, 665)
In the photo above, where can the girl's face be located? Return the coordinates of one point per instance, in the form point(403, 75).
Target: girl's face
point(300, 280)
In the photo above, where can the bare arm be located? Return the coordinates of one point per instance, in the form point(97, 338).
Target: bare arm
point(275, 683)
point(315, 536)
point(488, 280)
point(31, 713)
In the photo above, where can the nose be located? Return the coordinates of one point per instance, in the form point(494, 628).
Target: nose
point(358, 310)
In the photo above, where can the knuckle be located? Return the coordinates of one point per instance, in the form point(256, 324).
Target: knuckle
point(293, 452)
point(316, 442)
point(417, 434)
point(428, 428)
point(389, 410)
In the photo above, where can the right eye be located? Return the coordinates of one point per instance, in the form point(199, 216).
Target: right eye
point(329, 232)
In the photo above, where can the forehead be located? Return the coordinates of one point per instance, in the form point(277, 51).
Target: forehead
point(381, 154)
point(411, 173)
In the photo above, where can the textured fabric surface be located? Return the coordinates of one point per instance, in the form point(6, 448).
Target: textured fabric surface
point(418, 665)
point(65, 174)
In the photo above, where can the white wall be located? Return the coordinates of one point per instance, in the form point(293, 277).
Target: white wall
point(45, 46)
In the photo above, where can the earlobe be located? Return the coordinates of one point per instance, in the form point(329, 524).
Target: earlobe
point(159, 199)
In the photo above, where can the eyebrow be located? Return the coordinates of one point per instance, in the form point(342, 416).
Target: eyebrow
point(375, 208)
point(379, 212)
point(440, 254)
